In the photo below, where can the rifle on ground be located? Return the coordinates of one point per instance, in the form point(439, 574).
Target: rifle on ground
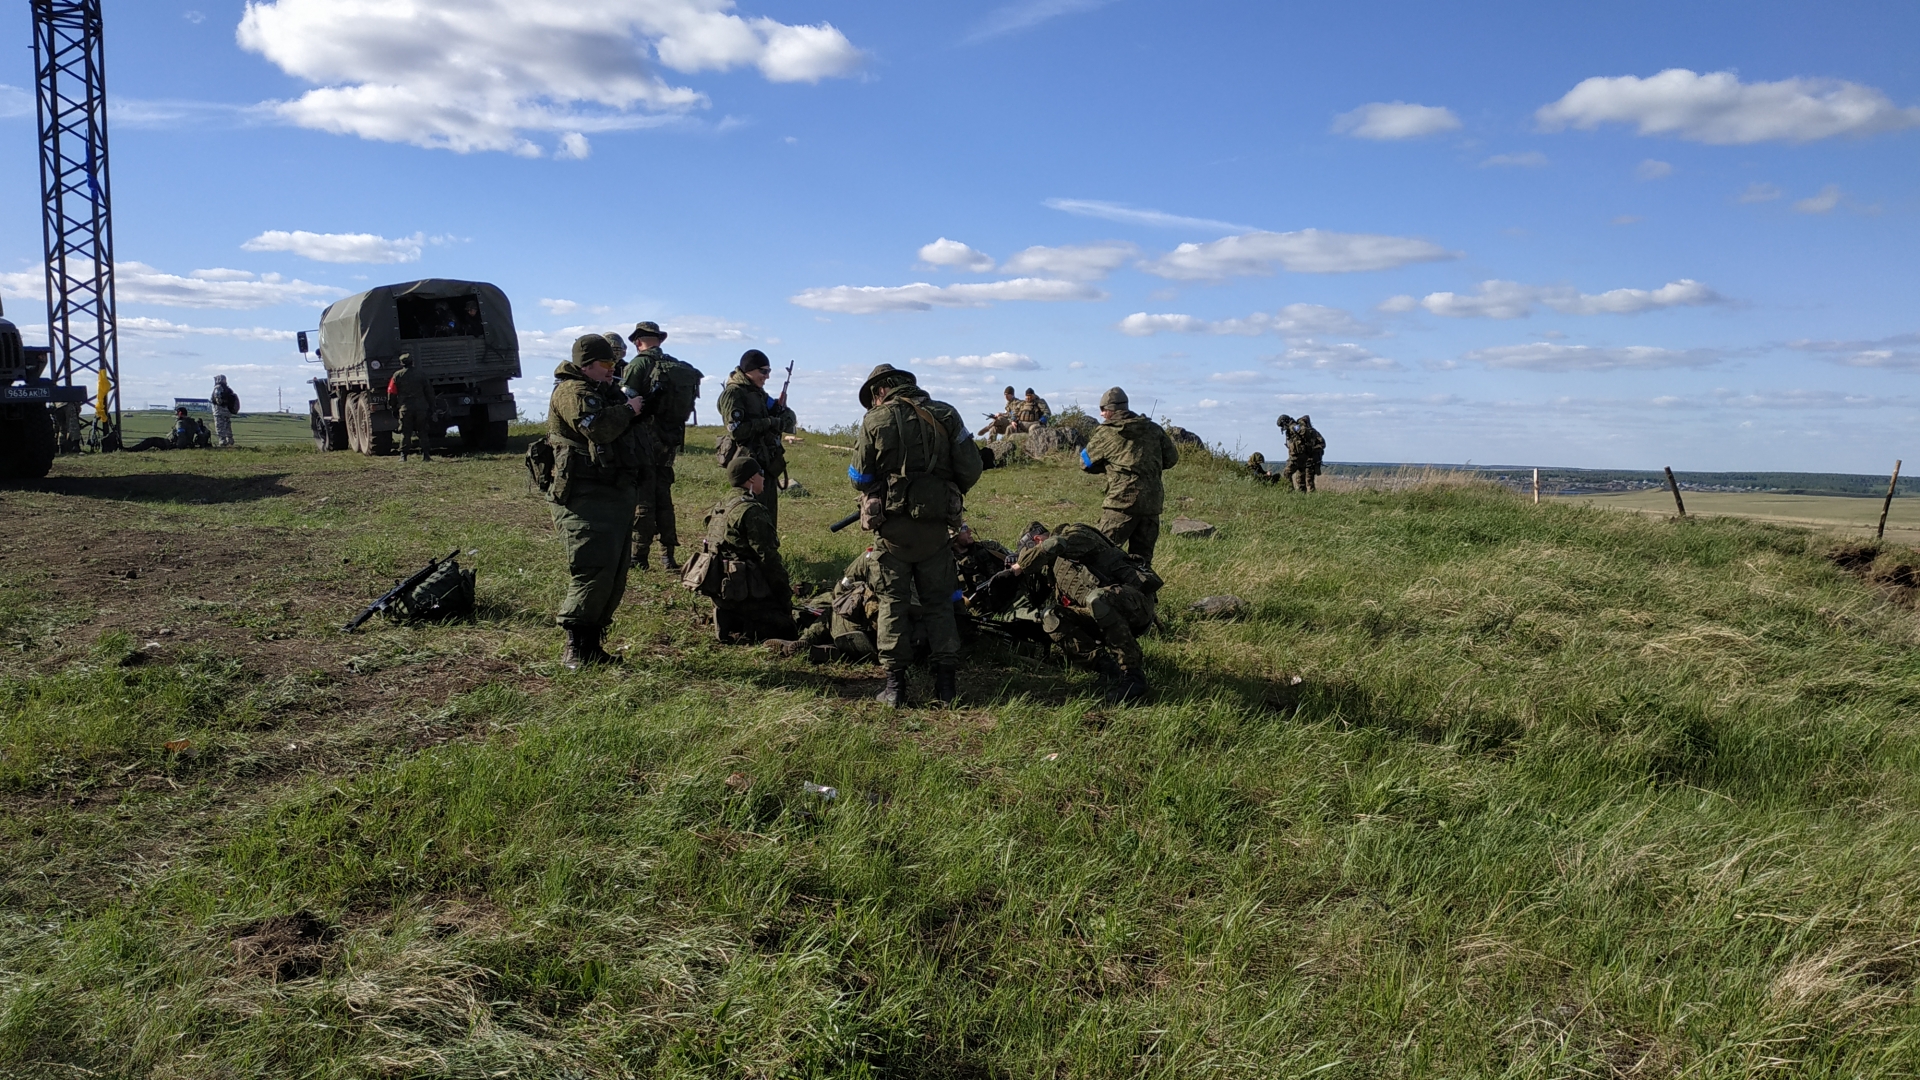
point(397, 591)
point(844, 522)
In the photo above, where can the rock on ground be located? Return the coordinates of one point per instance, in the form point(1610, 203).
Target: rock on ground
point(1186, 526)
point(1218, 607)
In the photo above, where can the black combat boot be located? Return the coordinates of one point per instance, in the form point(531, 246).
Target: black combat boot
point(595, 653)
point(1131, 686)
point(574, 656)
point(667, 560)
point(641, 559)
point(944, 690)
point(895, 692)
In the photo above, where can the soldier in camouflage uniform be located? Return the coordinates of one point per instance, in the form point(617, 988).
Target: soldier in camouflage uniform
point(913, 463)
point(1093, 600)
point(654, 373)
point(975, 561)
point(844, 629)
point(1030, 411)
point(756, 421)
point(1257, 468)
point(1000, 425)
point(1132, 451)
point(756, 599)
point(599, 463)
point(1313, 448)
point(411, 396)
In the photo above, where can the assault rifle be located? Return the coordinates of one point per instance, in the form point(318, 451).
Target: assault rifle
point(844, 522)
point(398, 591)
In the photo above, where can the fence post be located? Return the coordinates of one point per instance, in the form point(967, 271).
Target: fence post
point(1536, 487)
point(1881, 534)
point(1674, 486)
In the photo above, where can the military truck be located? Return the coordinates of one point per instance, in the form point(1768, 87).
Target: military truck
point(460, 335)
point(27, 439)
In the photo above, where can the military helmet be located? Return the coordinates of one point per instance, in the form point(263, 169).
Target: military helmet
point(742, 469)
point(617, 343)
point(887, 374)
point(1284, 421)
point(1114, 398)
point(1256, 458)
point(221, 379)
point(590, 349)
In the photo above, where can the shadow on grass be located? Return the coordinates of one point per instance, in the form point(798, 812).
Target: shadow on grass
point(188, 488)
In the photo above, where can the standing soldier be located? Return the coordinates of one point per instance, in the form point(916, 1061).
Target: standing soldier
point(755, 421)
point(671, 387)
point(1132, 451)
point(599, 463)
point(1313, 448)
point(412, 397)
point(752, 600)
point(913, 464)
point(225, 404)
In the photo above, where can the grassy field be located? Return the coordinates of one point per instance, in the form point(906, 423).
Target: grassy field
point(1474, 789)
point(249, 429)
point(1845, 516)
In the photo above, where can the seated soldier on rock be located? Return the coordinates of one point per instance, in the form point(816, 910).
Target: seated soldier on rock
point(1093, 600)
point(739, 564)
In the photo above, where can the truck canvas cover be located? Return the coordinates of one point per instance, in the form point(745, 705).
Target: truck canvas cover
point(435, 319)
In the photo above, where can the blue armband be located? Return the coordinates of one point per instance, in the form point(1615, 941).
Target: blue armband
point(1085, 461)
point(958, 596)
point(854, 474)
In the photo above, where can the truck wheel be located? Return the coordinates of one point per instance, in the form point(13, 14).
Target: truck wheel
point(328, 434)
point(27, 444)
point(357, 423)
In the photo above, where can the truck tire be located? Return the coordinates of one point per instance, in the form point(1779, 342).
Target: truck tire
point(328, 434)
point(26, 442)
point(360, 431)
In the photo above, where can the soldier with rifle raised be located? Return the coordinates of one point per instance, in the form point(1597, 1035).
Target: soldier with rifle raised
point(755, 421)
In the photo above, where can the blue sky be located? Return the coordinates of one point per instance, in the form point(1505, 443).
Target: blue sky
point(1625, 236)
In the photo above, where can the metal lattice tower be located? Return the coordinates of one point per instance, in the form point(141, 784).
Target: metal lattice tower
point(76, 203)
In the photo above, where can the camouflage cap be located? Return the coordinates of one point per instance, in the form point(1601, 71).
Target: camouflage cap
point(647, 328)
point(1114, 398)
point(617, 343)
point(591, 349)
point(742, 469)
point(884, 375)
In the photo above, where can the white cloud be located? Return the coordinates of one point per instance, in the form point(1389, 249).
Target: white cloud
point(340, 247)
point(469, 75)
point(1758, 192)
point(1000, 361)
point(161, 328)
point(1027, 13)
point(1240, 378)
point(954, 255)
point(1395, 120)
point(1824, 202)
point(1307, 251)
point(1078, 262)
point(138, 283)
point(1652, 169)
point(1208, 403)
point(559, 307)
point(921, 296)
point(1129, 215)
point(705, 328)
point(1292, 320)
point(1719, 109)
point(1338, 357)
point(1512, 300)
point(1548, 357)
point(573, 147)
point(1526, 159)
point(1900, 352)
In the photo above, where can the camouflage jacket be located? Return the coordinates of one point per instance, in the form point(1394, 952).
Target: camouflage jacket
point(897, 446)
point(1027, 412)
point(409, 389)
point(756, 421)
point(740, 527)
point(978, 562)
point(1132, 451)
point(593, 431)
point(1312, 444)
point(1070, 566)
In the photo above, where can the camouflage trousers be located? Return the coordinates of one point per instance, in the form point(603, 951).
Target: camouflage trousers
point(654, 517)
point(1106, 624)
point(594, 525)
point(900, 620)
point(1138, 533)
point(222, 426)
point(1300, 477)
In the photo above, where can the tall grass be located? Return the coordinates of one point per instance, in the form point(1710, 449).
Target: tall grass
point(1556, 792)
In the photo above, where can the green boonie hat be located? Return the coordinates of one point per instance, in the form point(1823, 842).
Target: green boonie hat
point(591, 348)
point(881, 372)
point(742, 469)
point(648, 328)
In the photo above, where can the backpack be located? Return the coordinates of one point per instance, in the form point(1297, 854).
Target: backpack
point(676, 386)
point(229, 400)
point(447, 593)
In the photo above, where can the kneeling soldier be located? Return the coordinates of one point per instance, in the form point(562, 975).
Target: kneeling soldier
point(1093, 599)
point(845, 628)
point(739, 564)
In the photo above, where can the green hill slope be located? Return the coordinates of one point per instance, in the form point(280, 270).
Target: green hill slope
point(1477, 788)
